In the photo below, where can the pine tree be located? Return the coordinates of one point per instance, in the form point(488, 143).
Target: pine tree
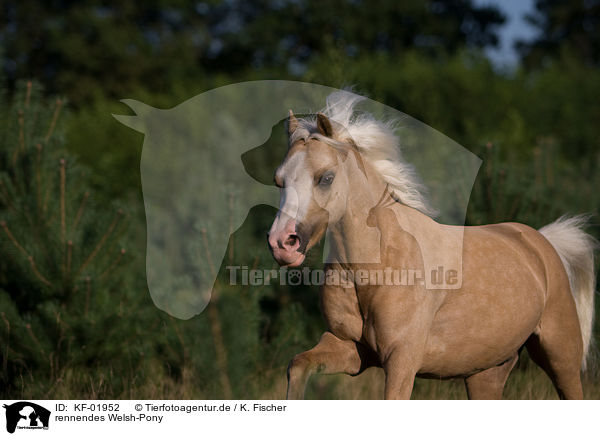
point(60, 254)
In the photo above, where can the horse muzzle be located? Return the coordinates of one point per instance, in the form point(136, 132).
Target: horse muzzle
point(285, 245)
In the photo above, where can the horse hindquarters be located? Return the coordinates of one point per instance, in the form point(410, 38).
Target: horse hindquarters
point(563, 338)
point(556, 346)
point(551, 351)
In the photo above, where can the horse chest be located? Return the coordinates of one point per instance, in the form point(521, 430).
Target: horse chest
point(342, 313)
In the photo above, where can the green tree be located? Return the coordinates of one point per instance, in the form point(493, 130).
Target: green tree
point(61, 254)
point(566, 28)
point(90, 48)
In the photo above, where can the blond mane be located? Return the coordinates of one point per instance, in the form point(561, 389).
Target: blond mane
point(377, 142)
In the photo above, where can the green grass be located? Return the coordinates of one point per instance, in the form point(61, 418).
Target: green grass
point(523, 384)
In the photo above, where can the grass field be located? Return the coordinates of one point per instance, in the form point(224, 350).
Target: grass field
point(526, 382)
point(523, 384)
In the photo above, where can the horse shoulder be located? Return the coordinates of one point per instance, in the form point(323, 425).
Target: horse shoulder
point(341, 310)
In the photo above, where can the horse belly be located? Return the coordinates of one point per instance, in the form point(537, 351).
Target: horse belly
point(484, 323)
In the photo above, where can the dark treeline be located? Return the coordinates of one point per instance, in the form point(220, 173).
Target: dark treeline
point(113, 48)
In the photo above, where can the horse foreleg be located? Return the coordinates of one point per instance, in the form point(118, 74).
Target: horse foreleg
point(489, 384)
point(331, 355)
point(400, 372)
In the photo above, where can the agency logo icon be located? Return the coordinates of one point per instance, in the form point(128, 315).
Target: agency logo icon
point(26, 415)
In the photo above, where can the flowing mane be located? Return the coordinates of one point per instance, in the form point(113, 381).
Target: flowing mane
point(377, 143)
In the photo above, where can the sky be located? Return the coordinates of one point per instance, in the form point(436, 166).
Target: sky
point(514, 28)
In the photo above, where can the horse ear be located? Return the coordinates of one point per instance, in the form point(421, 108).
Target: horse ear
point(324, 125)
point(292, 123)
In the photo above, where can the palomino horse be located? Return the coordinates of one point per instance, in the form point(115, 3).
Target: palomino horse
point(519, 286)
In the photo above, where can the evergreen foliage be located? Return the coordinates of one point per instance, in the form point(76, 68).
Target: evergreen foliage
point(62, 254)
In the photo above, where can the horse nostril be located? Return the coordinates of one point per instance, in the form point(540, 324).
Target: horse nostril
point(292, 240)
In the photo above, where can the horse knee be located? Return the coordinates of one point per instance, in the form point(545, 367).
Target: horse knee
point(298, 366)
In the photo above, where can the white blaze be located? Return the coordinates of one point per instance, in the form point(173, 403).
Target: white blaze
point(297, 192)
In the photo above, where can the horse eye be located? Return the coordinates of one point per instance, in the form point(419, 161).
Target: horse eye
point(326, 179)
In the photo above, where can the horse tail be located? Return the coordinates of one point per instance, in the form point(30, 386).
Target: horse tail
point(576, 250)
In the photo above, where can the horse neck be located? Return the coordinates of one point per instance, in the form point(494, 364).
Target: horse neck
point(354, 240)
point(351, 239)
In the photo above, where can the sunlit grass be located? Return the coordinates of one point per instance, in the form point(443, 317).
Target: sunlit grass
point(523, 384)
